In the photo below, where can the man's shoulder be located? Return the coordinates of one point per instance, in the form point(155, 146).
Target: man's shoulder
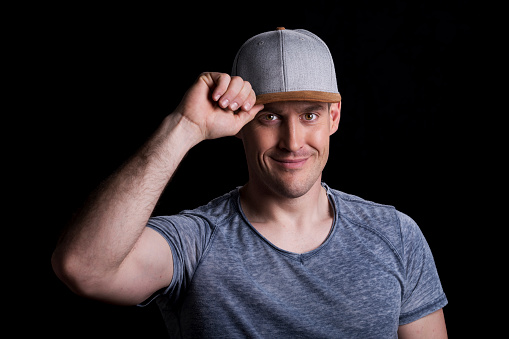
point(362, 210)
point(383, 220)
point(218, 209)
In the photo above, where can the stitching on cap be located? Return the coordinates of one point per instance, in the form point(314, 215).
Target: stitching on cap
point(281, 39)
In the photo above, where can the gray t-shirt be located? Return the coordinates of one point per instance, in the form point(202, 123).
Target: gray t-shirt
point(374, 272)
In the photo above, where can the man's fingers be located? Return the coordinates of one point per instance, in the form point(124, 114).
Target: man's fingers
point(246, 116)
point(240, 100)
point(250, 101)
point(234, 87)
point(230, 92)
point(222, 81)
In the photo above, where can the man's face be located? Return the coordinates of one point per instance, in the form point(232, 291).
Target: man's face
point(287, 145)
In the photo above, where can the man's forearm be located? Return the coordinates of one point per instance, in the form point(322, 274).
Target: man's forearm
point(107, 228)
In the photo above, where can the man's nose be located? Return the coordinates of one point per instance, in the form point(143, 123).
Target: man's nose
point(291, 135)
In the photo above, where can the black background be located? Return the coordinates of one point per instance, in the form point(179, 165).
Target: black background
point(104, 77)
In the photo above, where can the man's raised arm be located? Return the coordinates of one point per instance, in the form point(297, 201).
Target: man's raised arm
point(107, 253)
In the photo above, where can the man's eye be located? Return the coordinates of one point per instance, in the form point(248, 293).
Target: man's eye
point(310, 116)
point(269, 117)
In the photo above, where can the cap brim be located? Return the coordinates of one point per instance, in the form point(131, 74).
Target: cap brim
point(298, 96)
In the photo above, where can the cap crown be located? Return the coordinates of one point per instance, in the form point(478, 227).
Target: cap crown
point(287, 61)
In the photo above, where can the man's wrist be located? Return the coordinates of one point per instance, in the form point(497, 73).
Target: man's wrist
point(181, 128)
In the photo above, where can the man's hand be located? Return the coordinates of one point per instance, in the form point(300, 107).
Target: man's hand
point(218, 105)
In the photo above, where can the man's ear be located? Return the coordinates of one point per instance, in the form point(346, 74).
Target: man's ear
point(335, 115)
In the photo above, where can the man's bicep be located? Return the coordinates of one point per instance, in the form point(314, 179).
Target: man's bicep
point(146, 270)
point(430, 326)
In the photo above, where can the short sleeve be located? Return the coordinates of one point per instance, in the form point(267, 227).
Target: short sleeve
point(187, 235)
point(422, 293)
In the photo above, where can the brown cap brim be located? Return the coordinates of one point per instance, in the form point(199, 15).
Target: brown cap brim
point(298, 96)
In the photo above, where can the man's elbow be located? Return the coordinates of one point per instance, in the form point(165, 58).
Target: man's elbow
point(72, 273)
point(86, 281)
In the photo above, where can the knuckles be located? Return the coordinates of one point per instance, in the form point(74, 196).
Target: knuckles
point(228, 87)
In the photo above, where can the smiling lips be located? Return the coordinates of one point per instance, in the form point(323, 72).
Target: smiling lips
point(290, 163)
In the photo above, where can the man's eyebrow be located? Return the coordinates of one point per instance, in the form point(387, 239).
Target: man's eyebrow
point(313, 107)
point(304, 108)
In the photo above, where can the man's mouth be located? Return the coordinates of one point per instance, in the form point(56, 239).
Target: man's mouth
point(290, 163)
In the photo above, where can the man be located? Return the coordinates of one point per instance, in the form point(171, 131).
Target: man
point(283, 256)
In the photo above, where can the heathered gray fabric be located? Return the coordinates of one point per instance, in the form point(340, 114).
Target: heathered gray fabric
point(285, 61)
point(373, 273)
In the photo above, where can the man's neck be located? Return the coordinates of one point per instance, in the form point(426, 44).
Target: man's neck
point(296, 225)
point(262, 206)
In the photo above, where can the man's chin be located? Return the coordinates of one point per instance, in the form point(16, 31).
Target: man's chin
point(291, 189)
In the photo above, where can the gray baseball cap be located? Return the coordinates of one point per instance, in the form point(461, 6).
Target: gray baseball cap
point(288, 65)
